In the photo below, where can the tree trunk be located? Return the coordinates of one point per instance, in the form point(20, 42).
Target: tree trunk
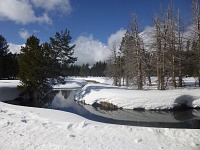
point(149, 79)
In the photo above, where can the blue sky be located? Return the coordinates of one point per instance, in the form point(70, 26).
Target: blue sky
point(95, 22)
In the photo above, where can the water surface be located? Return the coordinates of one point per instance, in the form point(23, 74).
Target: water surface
point(64, 100)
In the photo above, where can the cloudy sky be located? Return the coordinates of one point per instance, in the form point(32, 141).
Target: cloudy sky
point(94, 24)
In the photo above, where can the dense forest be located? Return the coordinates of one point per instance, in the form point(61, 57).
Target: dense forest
point(8, 62)
point(97, 70)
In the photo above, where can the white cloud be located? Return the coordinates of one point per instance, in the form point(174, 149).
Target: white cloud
point(49, 5)
point(14, 48)
point(24, 34)
point(116, 38)
point(148, 37)
point(24, 11)
point(89, 50)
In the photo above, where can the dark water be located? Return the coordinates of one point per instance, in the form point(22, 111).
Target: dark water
point(64, 100)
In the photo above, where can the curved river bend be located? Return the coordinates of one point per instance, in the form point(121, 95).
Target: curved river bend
point(64, 100)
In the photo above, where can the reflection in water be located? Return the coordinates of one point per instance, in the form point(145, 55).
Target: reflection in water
point(64, 100)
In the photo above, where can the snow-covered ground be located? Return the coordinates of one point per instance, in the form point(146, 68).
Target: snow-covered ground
point(43, 129)
point(71, 83)
point(148, 99)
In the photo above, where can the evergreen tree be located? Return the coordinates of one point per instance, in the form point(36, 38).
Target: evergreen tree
point(35, 63)
point(42, 65)
point(3, 52)
point(10, 66)
point(62, 51)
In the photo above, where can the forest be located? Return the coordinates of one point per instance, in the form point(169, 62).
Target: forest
point(171, 55)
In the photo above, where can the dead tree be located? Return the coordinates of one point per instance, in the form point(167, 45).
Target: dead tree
point(196, 31)
point(113, 66)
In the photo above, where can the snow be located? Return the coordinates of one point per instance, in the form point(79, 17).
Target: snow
point(44, 129)
point(71, 83)
point(147, 99)
point(103, 80)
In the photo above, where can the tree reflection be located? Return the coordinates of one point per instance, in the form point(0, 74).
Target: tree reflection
point(65, 93)
point(47, 100)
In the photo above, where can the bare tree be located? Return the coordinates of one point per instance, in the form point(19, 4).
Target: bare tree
point(196, 31)
point(169, 46)
point(132, 52)
point(113, 66)
point(127, 55)
point(180, 30)
point(160, 52)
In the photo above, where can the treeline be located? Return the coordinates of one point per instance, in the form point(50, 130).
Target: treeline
point(9, 65)
point(170, 56)
point(97, 70)
point(8, 62)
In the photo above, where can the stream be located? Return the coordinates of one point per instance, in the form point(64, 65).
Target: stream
point(64, 100)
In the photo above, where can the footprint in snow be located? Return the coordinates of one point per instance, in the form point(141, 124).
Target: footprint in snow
point(8, 124)
point(71, 136)
point(11, 114)
point(23, 119)
point(161, 148)
point(69, 126)
point(194, 144)
point(3, 111)
point(138, 140)
point(83, 124)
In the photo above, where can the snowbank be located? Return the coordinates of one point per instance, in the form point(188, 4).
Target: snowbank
point(43, 129)
point(130, 99)
point(71, 83)
point(103, 80)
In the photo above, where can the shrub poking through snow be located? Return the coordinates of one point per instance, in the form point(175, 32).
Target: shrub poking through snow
point(108, 106)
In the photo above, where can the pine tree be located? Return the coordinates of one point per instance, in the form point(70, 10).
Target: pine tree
point(35, 63)
point(3, 53)
point(62, 51)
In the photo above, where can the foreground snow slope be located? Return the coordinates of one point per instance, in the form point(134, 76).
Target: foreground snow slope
point(43, 129)
point(129, 99)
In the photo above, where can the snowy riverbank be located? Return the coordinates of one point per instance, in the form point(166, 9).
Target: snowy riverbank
point(103, 91)
point(147, 99)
